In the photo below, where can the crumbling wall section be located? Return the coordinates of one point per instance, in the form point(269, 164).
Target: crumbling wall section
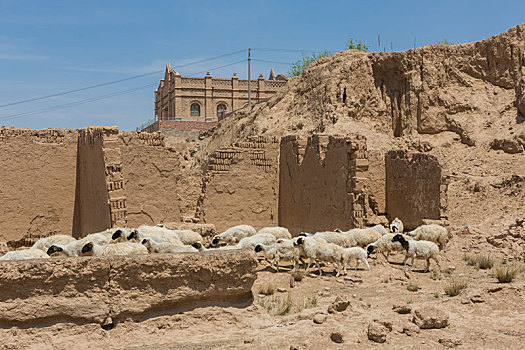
point(241, 185)
point(100, 201)
point(37, 183)
point(416, 188)
point(88, 290)
point(323, 183)
point(151, 174)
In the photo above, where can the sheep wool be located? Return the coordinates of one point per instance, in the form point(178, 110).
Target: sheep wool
point(26, 254)
point(278, 232)
point(418, 249)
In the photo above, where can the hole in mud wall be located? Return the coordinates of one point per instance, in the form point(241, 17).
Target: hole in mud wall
point(413, 188)
point(344, 96)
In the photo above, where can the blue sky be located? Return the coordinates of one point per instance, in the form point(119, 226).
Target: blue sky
point(48, 47)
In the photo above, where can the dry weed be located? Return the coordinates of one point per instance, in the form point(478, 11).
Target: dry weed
point(455, 287)
point(505, 274)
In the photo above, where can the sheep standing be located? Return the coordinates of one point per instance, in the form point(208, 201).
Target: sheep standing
point(283, 249)
point(317, 250)
point(166, 247)
point(361, 237)
point(338, 238)
point(233, 235)
point(434, 233)
point(25, 254)
point(125, 248)
point(354, 253)
point(385, 245)
point(258, 238)
point(418, 249)
point(278, 232)
point(396, 226)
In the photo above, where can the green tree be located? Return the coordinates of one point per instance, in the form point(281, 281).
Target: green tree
point(300, 66)
point(445, 42)
point(357, 45)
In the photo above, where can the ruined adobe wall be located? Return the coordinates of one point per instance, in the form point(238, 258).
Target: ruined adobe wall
point(323, 183)
point(242, 185)
point(94, 169)
point(37, 182)
point(151, 174)
point(416, 188)
point(88, 290)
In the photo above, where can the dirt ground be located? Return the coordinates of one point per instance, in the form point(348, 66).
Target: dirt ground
point(487, 314)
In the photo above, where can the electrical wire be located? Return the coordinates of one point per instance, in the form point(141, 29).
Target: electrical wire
point(97, 98)
point(274, 62)
point(117, 81)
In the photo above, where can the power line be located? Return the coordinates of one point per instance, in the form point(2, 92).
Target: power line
point(97, 98)
point(75, 103)
point(116, 81)
point(211, 69)
point(289, 50)
point(274, 62)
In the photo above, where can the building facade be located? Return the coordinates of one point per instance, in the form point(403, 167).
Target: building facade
point(208, 99)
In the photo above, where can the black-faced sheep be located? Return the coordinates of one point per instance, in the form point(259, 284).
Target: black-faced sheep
point(418, 249)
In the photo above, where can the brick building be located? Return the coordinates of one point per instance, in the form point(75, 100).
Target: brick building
point(189, 104)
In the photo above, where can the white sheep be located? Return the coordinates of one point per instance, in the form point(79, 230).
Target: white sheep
point(278, 232)
point(188, 237)
point(166, 247)
point(361, 237)
point(258, 238)
point(25, 254)
point(154, 232)
point(125, 248)
point(283, 249)
point(419, 249)
point(396, 226)
point(201, 248)
point(338, 238)
point(137, 237)
point(354, 253)
point(74, 248)
point(316, 251)
point(385, 245)
point(44, 243)
point(379, 228)
point(434, 233)
point(233, 235)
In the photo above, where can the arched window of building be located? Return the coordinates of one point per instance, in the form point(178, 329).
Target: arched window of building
point(195, 110)
point(221, 111)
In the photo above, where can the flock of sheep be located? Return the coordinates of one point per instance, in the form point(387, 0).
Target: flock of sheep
point(275, 243)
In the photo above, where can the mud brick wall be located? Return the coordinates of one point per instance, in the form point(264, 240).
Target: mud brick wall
point(100, 200)
point(323, 183)
point(37, 183)
point(151, 175)
point(415, 188)
point(241, 185)
point(88, 289)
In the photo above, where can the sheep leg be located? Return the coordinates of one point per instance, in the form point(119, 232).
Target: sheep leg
point(338, 269)
point(386, 256)
point(412, 263)
point(319, 268)
point(436, 259)
point(356, 264)
point(405, 261)
point(428, 265)
point(366, 263)
point(344, 266)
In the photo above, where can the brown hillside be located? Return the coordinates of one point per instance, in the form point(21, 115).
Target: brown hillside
point(463, 103)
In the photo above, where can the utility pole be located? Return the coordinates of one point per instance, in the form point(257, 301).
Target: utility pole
point(249, 79)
